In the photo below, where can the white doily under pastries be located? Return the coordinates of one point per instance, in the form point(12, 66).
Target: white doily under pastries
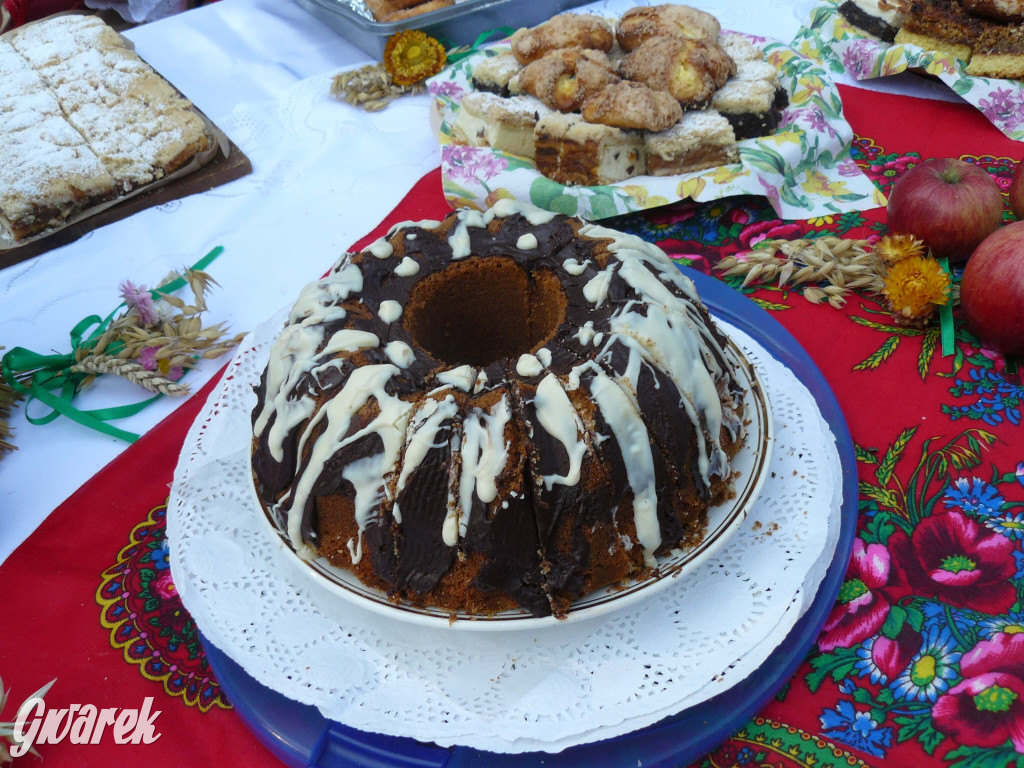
point(525, 690)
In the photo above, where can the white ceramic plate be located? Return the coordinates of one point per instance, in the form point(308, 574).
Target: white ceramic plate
point(751, 465)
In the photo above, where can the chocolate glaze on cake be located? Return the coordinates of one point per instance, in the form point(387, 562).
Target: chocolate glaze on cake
point(504, 408)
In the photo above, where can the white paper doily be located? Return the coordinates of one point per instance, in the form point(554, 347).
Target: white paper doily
point(523, 691)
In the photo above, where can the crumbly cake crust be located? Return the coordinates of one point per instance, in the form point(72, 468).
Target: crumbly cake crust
point(942, 26)
point(700, 140)
point(999, 52)
point(677, 65)
point(632, 105)
point(641, 23)
point(566, 30)
point(84, 119)
point(507, 124)
point(493, 73)
point(573, 151)
point(565, 78)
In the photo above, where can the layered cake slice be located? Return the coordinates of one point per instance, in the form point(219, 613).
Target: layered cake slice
point(942, 26)
point(702, 139)
point(506, 124)
point(739, 48)
point(880, 19)
point(495, 73)
point(999, 52)
point(572, 151)
point(752, 100)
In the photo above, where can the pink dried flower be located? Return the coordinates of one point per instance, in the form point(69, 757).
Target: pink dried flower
point(147, 358)
point(138, 298)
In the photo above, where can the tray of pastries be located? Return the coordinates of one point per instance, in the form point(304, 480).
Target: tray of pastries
point(368, 24)
point(86, 125)
point(600, 116)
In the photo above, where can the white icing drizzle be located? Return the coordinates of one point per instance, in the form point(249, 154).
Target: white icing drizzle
point(528, 366)
point(484, 455)
point(596, 289)
point(556, 414)
point(367, 474)
point(463, 377)
point(421, 224)
point(458, 240)
point(389, 311)
point(509, 207)
point(527, 242)
point(407, 267)
point(400, 353)
point(294, 352)
point(574, 267)
point(634, 444)
point(381, 249)
point(421, 438)
point(348, 340)
point(586, 333)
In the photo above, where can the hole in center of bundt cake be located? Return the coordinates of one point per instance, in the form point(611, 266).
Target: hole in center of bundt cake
point(484, 309)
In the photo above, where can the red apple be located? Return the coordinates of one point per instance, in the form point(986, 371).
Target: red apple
point(992, 290)
point(949, 204)
point(1017, 191)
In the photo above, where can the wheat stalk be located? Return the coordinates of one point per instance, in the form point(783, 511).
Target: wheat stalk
point(153, 381)
point(843, 265)
point(369, 88)
point(8, 397)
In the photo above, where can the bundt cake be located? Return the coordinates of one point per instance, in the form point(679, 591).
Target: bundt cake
point(505, 408)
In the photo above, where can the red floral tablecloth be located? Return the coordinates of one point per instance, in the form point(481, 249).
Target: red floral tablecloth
point(921, 662)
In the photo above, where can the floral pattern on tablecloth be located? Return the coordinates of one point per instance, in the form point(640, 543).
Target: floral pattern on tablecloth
point(921, 660)
point(829, 38)
point(141, 608)
point(804, 168)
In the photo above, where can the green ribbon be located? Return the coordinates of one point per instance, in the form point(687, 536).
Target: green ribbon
point(946, 315)
point(458, 54)
point(52, 383)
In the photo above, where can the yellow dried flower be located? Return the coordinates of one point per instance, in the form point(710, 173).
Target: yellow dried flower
point(411, 56)
point(914, 287)
point(896, 247)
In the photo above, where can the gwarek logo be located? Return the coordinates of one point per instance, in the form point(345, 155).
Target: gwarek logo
point(81, 724)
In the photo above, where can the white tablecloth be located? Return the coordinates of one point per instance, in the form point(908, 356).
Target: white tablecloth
point(324, 174)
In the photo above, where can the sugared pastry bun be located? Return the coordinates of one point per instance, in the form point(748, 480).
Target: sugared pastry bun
point(633, 105)
point(688, 69)
point(567, 30)
point(564, 79)
point(640, 24)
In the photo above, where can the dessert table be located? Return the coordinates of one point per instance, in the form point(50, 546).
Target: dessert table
point(895, 676)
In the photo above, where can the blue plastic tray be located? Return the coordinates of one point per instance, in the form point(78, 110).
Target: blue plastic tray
point(300, 736)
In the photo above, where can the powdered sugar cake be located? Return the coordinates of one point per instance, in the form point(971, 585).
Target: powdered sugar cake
point(85, 120)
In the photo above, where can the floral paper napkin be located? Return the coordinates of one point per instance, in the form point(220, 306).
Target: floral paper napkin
point(841, 47)
point(804, 169)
